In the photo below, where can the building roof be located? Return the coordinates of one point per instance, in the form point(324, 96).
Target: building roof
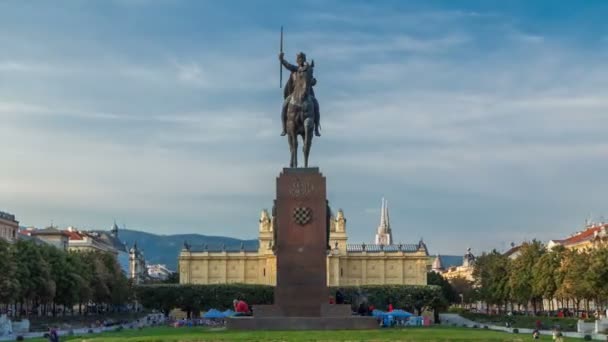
point(223, 248)
point(514, 249)
point(73, 235)
point(373, 248)
point(585, 235)
point(7, 216)
point(48, 231)
point(108, 239)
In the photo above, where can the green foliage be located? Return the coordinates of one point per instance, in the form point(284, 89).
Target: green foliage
point(9, 284)
point(520, 280)
point(575, 276)
point(165, 297)
point(35, 275)
point(448, 292)
point(491, 274)
point(413, 298)
point(194, 298)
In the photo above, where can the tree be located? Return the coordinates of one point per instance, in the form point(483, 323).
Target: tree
point(575, 283)
point(491, 274)
point(464, 289)
point(34, 274)
point(9, 284)
point(596, 275)
point(82, 276)
point(447, 292)
point(173, 278)
point(546, 274)
point(434, 278)
point(521, 274)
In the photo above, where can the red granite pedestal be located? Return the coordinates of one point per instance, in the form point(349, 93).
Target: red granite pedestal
point(301, 294)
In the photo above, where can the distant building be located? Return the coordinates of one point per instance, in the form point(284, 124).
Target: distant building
point(95, 240)
point(138, 271)
point(465, 271)
point(592, 236)
point(158, 272)
point(347, 264)
point(52, 236)
point(437, 265)
point(9, 227)
point(514, 251)
point(73, 239)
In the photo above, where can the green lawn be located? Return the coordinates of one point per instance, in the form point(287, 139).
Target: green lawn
point(439, 334)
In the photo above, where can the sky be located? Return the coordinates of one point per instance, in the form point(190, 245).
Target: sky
point(481, 122)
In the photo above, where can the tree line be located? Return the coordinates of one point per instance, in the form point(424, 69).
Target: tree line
point(40, 279)
point(539, 279)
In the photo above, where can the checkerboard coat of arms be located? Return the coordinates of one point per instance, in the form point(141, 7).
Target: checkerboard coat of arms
point(302, 215)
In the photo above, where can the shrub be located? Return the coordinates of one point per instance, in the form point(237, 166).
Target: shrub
point(19, 338)
point(475, 326)
point(516, 331)
point(166, 297)
point(464, 325)
point(486, 327)
point(587, 338)
point(90, 331)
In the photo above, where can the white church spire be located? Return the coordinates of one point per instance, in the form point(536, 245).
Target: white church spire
point(383, 235)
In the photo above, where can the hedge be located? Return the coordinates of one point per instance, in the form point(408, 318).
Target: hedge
point(166, 297)
point(193, 298)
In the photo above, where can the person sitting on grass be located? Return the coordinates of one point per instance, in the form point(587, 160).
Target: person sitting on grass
point(241, 308)
point(53, 335)
point(536, 334)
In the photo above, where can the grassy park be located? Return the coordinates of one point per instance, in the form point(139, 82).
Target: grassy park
point(443, 334)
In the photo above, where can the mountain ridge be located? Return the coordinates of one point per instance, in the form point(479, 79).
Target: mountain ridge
point(165, 248)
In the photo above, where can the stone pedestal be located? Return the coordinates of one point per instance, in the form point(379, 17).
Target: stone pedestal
point(301, 295)
point(301, 242)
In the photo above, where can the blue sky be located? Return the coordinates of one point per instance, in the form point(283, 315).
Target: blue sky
point(481, 122)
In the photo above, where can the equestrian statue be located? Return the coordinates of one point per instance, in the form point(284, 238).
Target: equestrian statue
point(300, 111)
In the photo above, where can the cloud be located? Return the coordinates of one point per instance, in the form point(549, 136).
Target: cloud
point(467, 122)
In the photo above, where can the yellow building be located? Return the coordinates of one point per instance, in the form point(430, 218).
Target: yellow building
point(593, 236)
point(347, 264)
point(463, 271)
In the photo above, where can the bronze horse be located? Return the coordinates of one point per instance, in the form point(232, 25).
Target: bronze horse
point(300, 114)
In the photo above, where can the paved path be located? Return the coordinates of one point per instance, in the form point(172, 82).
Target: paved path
point(450, 318)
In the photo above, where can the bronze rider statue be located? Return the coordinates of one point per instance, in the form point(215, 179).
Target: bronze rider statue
point(301, 62)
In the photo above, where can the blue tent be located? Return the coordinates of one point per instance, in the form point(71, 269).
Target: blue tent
point(400, 314)
point(377, 313)
point(213, 313)
point(228, 313)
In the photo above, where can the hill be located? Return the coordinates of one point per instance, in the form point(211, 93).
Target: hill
point(164, 249)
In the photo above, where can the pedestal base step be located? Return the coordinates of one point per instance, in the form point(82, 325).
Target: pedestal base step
point(302, 323)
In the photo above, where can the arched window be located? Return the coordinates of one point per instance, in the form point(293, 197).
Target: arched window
point(341, 272)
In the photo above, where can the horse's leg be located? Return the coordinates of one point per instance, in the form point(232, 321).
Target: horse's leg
point(292, 149)
point(308, 127)
point(295, 149)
